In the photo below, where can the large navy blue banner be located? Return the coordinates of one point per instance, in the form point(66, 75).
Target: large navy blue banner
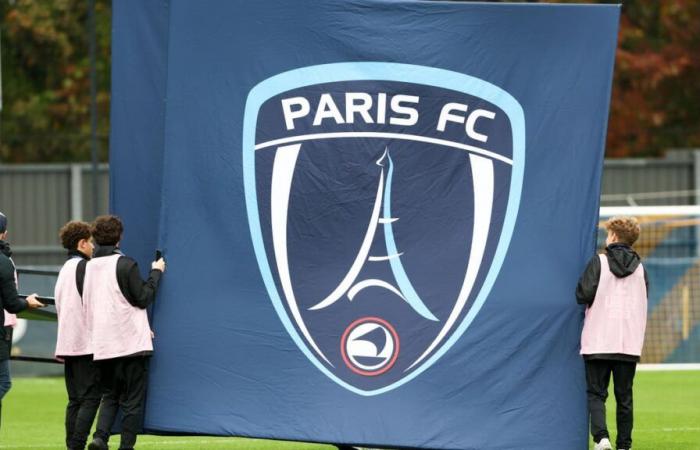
point(374, 214)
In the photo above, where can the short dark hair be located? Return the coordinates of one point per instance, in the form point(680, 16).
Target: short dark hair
point(72, 233)
point(107, 230)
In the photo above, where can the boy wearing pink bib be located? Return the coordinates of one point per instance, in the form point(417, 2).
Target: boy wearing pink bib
point(116, 299)
point(73, 336)
point(614, 287)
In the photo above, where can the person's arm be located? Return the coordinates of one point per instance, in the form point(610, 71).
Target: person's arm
point(646, 280)
point(80, 276)
point(588, 283)
point(8, 290)
point(139, 293)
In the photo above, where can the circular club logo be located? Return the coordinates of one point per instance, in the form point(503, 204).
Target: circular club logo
point(344, 172)
point(369, 346)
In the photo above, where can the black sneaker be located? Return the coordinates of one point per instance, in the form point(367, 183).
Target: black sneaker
point(97, 444)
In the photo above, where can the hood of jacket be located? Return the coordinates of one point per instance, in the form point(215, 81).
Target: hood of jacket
point(623, 261)
point(5, 248)
point(106, 250)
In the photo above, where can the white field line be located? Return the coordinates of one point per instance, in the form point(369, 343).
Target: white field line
point(669, 429)
point(667, 367)
point(660, 430)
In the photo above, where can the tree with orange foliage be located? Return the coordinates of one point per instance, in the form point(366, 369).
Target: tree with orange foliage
point(655, 97)
point(656, 88)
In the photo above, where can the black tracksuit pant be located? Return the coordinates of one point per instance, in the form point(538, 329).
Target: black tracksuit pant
point(84, 393)
point(598, 378)
point(124, 382)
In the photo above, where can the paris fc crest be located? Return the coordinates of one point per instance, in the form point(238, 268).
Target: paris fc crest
point(381, 201)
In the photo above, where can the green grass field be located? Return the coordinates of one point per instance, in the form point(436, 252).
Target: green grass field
point(667, 416)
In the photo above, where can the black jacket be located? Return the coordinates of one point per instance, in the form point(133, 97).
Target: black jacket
point(9, 299)
point(80, 269)
point(139, 293)
point(623, 261)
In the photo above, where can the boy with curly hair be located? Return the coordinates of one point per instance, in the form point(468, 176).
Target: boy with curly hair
point(614, 287)
point(73, 337)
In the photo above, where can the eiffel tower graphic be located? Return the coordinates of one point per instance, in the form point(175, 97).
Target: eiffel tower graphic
point(381, 222)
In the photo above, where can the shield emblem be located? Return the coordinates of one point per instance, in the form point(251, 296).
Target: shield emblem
point(381, 200)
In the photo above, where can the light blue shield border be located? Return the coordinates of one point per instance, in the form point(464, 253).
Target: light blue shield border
point(355, 71)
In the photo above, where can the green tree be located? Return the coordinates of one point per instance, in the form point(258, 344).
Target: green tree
point(45, 67)
point(46, 80)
